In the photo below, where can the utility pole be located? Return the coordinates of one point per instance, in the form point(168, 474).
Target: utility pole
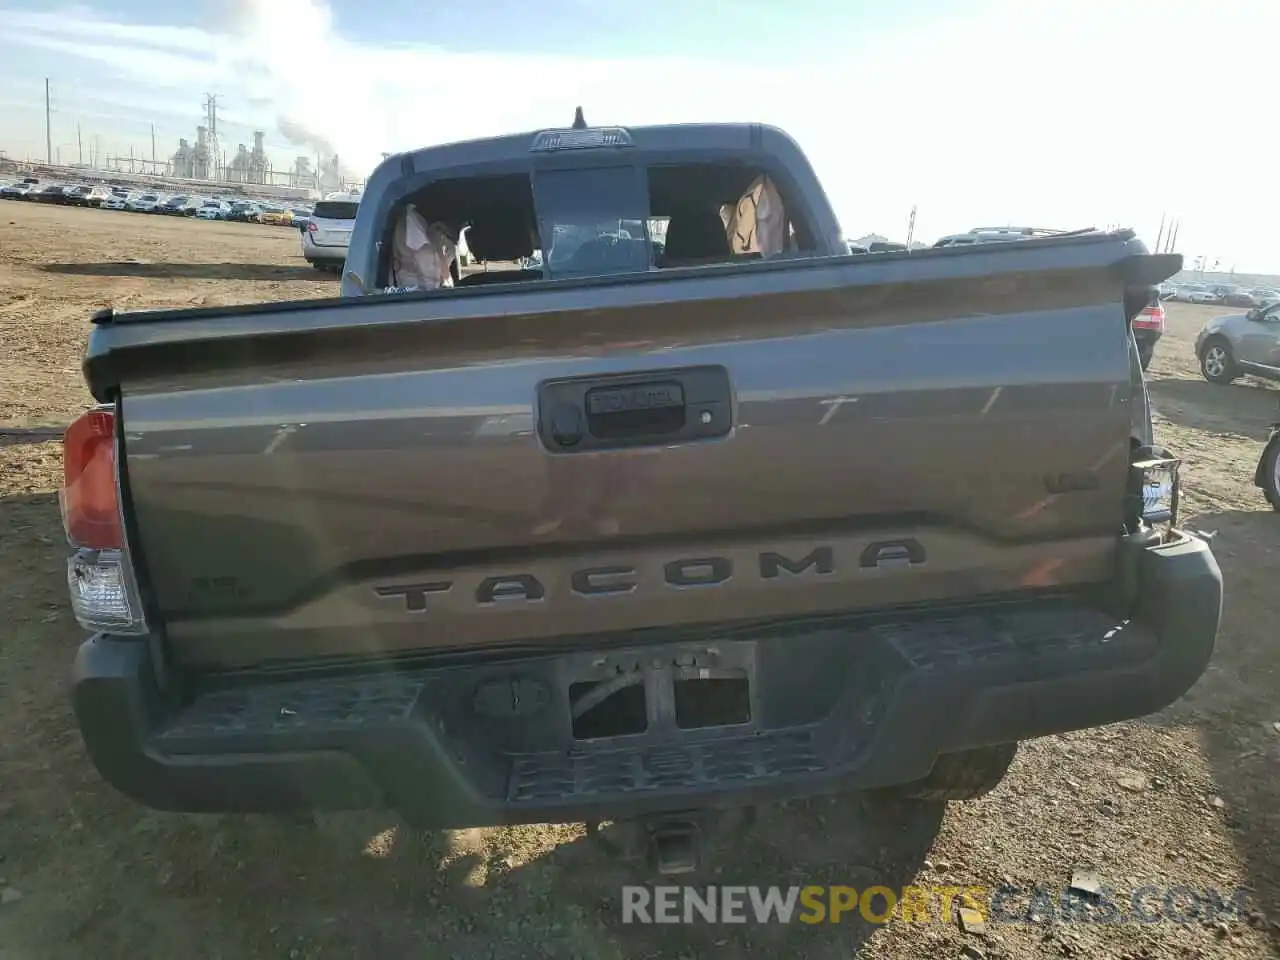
point(48, 130)
point(911, 226)
point(1160, 234)
point(153, 143)
point(79, 144)
point(211, 111)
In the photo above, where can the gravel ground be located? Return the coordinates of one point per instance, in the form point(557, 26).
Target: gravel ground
point(1188, 797)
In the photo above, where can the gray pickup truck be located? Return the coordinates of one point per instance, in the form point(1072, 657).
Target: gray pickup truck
point(642, 533)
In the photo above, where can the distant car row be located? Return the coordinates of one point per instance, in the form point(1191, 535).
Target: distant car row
point(1226, 294)
point(135, 201)
point(976, 235)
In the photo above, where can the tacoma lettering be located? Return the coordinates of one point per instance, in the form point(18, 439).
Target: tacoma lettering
point(599, 581)
point(682, 573)
point(516, 586)
point(415, 594)
point(698, 572)
point(822, 559)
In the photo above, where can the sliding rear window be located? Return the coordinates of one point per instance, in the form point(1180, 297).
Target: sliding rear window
point(592, 221)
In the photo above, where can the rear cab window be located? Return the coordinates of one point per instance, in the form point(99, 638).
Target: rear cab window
point(606, 218)
point(335, 210)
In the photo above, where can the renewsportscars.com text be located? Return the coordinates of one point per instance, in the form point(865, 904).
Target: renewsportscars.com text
point(928, 904)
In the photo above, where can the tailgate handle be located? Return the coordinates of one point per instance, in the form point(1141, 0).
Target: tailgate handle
point(634, 409)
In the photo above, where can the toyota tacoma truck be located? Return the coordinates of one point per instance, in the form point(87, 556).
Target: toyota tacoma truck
point(641, 532)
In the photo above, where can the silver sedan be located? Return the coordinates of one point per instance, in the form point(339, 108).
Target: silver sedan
point(1240, 343)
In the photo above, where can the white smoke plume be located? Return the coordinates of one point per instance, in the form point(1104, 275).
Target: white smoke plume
point(270, 37)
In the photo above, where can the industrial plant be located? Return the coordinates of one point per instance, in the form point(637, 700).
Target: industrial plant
point(207, 160)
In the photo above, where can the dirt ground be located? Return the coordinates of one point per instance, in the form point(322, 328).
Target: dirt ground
point(84, 872)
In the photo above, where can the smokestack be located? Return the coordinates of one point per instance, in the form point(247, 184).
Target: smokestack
point(579, 122)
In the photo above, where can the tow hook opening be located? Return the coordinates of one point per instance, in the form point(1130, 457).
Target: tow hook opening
point(717, 700)
point(675, 847)
point(609, 708)
point(673, 843)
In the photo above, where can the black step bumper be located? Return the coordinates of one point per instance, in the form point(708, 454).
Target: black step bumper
point(843, 705)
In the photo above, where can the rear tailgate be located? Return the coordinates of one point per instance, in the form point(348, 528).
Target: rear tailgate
point(332, 223)
point(357, 480)
point(331, 233)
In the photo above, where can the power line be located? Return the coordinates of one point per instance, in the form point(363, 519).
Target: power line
point(48, 129)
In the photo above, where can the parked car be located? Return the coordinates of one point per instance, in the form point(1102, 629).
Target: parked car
point(324, 242)
point(989, 235)
point(143, 203)
point(117, 201)
point(244, 211)
point(635, 610)
point(175, 206)
point(96, 196)
point(1199, 293)
point(1239, 343)
point(15, 191)
point(276, 216)
point(1267, 474)
point(74, 196)
point(211, 210)
point(1236, 297)
point(50, 193)
point(1148, 327)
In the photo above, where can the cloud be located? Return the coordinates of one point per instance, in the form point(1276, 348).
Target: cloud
point(168, 68)
point(1050, 113)
point(81, 21)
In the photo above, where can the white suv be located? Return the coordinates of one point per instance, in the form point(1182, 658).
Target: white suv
point(325, 240)
point(212, 210)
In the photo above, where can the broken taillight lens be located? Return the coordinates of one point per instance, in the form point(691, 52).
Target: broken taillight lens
point(90, 505)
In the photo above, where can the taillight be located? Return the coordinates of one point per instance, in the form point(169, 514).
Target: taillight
point(91, 508)
point(104, 593)
point(1151, 318)
point(311, 227)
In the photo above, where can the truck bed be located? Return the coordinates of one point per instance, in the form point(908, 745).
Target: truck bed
point(331, 481)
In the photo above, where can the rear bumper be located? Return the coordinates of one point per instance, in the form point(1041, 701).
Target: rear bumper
point(864, 705)
point(314, 253)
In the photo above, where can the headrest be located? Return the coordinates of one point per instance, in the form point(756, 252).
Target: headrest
point(499, 238)
point(694, 234)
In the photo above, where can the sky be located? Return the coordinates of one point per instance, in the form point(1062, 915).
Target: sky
point(1053, 113)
